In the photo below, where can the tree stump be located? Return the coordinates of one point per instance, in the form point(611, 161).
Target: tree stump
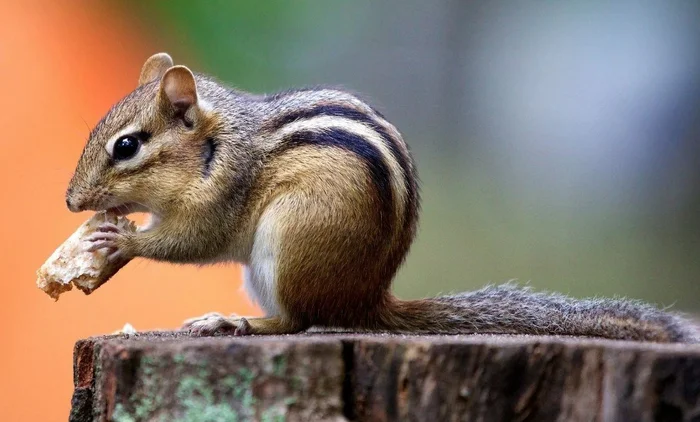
point(168, 376)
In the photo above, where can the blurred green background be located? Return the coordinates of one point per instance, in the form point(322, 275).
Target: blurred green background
point(557, 142)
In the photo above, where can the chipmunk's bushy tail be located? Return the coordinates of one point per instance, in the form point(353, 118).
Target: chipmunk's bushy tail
point(509, 309)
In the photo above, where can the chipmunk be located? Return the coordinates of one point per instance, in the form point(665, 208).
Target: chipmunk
point(316, 194)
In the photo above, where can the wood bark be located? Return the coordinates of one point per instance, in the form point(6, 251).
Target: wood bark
point(167, 376)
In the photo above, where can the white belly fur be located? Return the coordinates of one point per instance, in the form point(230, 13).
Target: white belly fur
point(259, 275)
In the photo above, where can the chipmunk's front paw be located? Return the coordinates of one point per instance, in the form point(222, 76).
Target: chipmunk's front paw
point(216, 324)
point(114, 239)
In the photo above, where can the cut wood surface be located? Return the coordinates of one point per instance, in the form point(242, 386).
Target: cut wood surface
point(167, 376)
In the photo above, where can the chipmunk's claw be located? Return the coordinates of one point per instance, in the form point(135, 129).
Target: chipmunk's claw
point(243, 328)
point(107, 236)
point(108, 227)
point(216, 324)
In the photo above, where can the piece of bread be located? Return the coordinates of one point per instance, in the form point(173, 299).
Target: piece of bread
point(127, 329)
point(72, 265)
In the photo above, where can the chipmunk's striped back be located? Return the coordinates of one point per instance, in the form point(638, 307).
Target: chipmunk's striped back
point(336, 119)
point(335, 205)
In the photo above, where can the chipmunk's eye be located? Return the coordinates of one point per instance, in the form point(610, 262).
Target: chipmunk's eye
point(125, 147)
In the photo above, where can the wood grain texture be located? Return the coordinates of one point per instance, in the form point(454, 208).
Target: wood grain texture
point(309, 377)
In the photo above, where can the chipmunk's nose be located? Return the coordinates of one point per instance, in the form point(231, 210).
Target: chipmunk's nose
point(72, 204)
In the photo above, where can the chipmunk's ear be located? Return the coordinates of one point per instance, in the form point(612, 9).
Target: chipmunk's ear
point(155, 67)
point(178, 91)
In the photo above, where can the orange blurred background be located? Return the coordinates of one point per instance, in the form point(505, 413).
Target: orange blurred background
point(63, 66)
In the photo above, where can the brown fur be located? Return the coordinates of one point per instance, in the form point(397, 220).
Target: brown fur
point(309, 188)
point(345, 211)
point(509, 309)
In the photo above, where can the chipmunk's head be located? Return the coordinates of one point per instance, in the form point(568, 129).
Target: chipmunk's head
point(148, 148)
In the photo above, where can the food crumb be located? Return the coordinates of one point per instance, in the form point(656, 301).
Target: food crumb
point(127, 329)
